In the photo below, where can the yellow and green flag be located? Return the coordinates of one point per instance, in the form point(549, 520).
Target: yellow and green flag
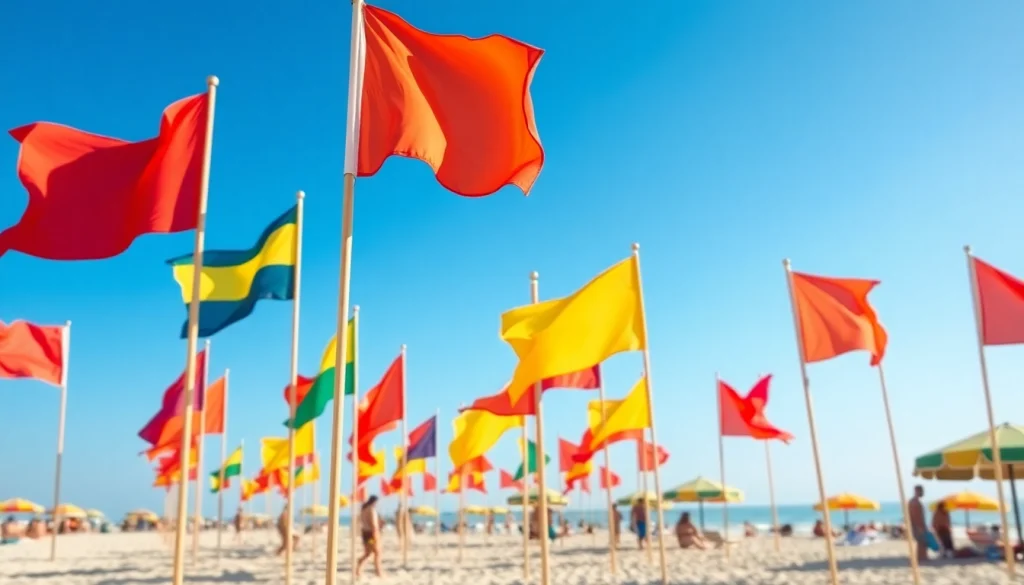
point(231, 281)
point(313, 394)
point(232, 468)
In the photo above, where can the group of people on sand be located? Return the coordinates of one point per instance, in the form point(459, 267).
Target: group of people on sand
point(11, 530)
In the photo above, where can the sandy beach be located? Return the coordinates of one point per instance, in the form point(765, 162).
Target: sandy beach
point(142, 558)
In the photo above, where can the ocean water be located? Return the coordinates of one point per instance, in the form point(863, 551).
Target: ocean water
point(801, 517)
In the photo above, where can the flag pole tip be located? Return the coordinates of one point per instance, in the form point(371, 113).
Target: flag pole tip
point(534, 275)
point(67, 323)
point(300, 195)
point(786, 263)
point(404, 347)
point(212, 81)
point(967, 250)
point(636, 247)
point(355, 308)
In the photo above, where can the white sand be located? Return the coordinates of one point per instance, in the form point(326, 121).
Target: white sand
point(144, 558)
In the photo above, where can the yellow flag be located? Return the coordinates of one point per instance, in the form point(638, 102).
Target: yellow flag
point(628, 414)
point(310, 473)
point(476, 431)
point(416, 466)
point(248, 488)
point(453, 481)
point(274, 450)
point(579, 470)
point(573, 333)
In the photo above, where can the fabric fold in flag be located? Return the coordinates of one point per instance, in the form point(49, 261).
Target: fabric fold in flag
point(741, 416)
point(174, 397)
point(314, 394)
point(461, 105)
point(1001, 300)
point(381, 409)
point(566, 335)
point(232, 281)
point(32, 351)
point(501, 403)
point(90, 197)
point(835, 317)
point(423, 440)
point(476, 431)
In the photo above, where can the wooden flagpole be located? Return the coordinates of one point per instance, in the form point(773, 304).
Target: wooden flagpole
point(357, 58)
point(354, 515)
point(437, 483)
point(993, 437)
point(193, 335)
point(915, 573)
point(641, 451)
point(542, 492)
point(61, 417)
point(223, 457)
point(293, 380)
point(462, 512)
point(607, 475)
point(197, 516)
point(721, 467)
point(403, 497)
point(526, 504)
point(650, 415)
point(833, 568)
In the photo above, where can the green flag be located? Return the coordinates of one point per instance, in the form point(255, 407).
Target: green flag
point(531, 459)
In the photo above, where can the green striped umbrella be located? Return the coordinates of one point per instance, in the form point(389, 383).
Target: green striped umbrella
point(971, 458)
point(703, 490)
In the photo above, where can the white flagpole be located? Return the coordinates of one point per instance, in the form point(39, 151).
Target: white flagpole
point(293, 380)
point(197, 518)
point(61, 416)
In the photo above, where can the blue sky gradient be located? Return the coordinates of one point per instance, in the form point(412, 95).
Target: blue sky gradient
point(867, 139)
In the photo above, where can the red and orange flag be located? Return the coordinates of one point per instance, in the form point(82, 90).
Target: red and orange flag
point(381, 409)
point(460, 105)
point(835, 317)
point(612, 481)
point(501, 404)
point(743, 416)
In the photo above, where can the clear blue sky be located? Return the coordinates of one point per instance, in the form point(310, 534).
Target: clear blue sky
point(864, 139)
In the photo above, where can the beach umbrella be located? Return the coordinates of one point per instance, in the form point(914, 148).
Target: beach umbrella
point(94, 513)
point(967, 501)
point(703, 490)
point(315, 511)
point(145, 515)
point(554, 498)
point(423, 511)
point(475, 510)
point(847, 502)
point(971, 458)
point(20, 506)
point(499, 510)
point(68, 511)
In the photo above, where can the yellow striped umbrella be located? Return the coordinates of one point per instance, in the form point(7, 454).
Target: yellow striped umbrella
point(967, 501)
point(68, 511)
point(847, 502)
point(20, 506)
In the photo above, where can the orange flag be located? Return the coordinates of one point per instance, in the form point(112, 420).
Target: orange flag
point(612, 481)
point(429, 482)
point(380, 410)
point(835, 317)
point(460, 105)
point(1001, 297)
point(648, 455)
point(213, 413)
point(744, 416)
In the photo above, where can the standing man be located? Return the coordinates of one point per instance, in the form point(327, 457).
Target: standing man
point(918, 523)
point(638, 521)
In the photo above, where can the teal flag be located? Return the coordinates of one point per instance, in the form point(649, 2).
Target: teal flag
point(531, 460)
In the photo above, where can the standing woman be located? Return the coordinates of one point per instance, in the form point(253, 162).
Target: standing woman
point(369, 522)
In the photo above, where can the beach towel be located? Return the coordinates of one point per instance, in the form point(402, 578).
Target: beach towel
point(8, 540)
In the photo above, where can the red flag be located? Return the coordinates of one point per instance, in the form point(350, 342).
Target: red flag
point(174, 396)
point(302, 387)
point(1001, 298)
point(385, 487)
point(477, 465)
point(650, 455)
point(90, 196)
point(429, 482)
point(395, 486)
point(361, 494)
point(835, 317)
point(584, 455)
point(744, 417)
point(381, 409)
point(566, 451)
point(32, 351)
point(501, 403)
point(611, 480)
point(473, 481)
point(507, 482)
point(443, 99)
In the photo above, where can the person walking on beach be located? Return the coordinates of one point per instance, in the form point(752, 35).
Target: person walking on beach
point(369, 524)
point(282, 529)
point(919, 524)
point(239, 522)
point(638, 520)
